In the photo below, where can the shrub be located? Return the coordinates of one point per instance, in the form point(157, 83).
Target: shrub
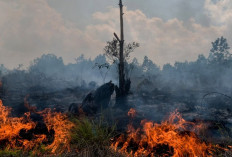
point(92, 138)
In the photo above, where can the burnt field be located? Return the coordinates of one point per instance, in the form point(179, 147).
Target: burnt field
point(176, 111)
point(97, 78)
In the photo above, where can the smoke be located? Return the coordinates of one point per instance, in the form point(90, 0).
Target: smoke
point(155, 92)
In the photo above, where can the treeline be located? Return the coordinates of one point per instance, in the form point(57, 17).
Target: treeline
point(49, 71)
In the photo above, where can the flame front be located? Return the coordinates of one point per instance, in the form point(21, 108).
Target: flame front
point(10, 128)
point(170, 138)
point(61, 126)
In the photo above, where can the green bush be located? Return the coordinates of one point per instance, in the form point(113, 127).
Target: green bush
point(92, 138)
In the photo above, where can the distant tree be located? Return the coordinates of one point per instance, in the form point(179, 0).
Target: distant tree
point(219, 53)
point(3, 69)
point(19, 67)
point(149, 68)
point(48, 65)
point(201, 59)
point(79, 59)
point(135, 62)
point(181, 66)
point(167, 67)
point(100, 59)
point(147, 64)
point(134, 68)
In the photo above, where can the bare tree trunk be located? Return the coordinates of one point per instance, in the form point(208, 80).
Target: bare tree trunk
point(124, 85)
point(121, 60)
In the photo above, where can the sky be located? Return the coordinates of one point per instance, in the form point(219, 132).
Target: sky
point(167, 30)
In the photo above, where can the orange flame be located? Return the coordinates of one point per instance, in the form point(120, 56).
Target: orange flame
point(61, 126)
point(10, 128)
point(131, 113)
point(170, 138)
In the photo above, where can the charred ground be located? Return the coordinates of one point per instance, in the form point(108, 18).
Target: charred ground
point(200, 90)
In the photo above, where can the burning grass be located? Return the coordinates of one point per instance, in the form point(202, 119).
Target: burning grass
point(61, 126)
point(173, 137)
point(57, 134)
point(24, 134)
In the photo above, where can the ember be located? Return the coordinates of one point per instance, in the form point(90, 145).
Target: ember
point(131, 113)
point(19, 133)
point(173, 137)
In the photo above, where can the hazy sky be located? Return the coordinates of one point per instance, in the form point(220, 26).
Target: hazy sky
point(167, 30)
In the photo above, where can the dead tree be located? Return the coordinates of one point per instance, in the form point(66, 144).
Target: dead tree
point(121, 68)
point(119, 52)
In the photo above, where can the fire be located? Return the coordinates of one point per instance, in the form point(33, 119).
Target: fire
point(59, 123)
point(61, 126)
point(131, 113)
point(173, 137)
point(12, 128)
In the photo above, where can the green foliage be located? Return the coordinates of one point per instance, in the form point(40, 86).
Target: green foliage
point(35, 152)
point(11, 153)
point(92, 137)
point(39, 151)
point(87, 132)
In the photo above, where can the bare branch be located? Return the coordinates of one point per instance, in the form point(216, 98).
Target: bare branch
point(116, 36)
